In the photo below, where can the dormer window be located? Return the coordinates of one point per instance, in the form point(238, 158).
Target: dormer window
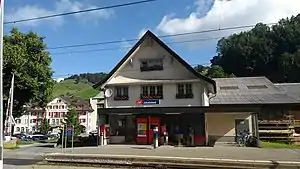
point(151, 64)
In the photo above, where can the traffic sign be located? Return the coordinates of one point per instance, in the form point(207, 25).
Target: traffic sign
point(69, 131)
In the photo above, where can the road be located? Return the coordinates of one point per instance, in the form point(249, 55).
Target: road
point(28, 157)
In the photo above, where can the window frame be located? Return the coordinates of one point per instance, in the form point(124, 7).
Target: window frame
point(151, 64)
point(153, 91)
point(121, 93)
point(184, 91)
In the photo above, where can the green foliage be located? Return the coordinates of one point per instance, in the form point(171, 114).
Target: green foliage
point(72, 120)
point(88, 77)
point(214, 71)
point(273, 52)
point(26, 57)
point(71, 88)
point(45, 126)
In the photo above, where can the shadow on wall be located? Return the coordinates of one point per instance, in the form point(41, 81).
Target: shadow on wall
point(221, 127)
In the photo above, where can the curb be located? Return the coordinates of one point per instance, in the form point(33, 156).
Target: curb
point(171, 162)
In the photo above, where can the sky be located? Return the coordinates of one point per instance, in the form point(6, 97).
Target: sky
point(162, 17)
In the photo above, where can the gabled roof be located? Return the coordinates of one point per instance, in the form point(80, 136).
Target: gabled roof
point(162, 44)
point(249, 91)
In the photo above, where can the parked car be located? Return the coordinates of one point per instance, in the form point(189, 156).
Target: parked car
point(39, 137)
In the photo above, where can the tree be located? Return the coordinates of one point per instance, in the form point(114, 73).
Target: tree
point(217, 72)
point(72, 120)
point(88, 77)
point(45, 126)
point(25, 56)
point(213, 71)
point(263, 51)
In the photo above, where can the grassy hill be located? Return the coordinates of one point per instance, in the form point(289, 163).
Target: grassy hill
point(80, 89)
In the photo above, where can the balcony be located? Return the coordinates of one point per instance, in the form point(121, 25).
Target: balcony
point(184, 96)
point(121, 98)
point(143, 97)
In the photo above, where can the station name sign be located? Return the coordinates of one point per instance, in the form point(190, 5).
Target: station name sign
point(148, 102)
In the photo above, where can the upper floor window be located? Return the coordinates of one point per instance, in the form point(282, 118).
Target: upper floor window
point(152, 92)
point(121, 93)
point(18, 121)
point(184, 91)
point(151, 64)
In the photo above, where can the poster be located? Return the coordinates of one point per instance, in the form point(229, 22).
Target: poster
point(142, 129)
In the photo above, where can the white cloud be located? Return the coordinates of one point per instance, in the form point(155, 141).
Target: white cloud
point(61, 6)
point(227, 14)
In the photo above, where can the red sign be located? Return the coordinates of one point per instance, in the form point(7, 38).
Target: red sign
point(139, 102)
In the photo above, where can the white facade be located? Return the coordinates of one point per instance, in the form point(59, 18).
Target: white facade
point(92, 122)
point(172, 74)
point(55, 112)
point(25, 123)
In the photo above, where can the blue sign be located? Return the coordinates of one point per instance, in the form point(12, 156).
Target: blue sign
point(69, 131)
point(147, 102)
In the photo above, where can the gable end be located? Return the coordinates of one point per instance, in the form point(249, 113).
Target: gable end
point(163, 45)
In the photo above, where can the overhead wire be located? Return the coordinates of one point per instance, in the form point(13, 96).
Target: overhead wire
point(77, 12)
point(162, 36)
point(119, 48)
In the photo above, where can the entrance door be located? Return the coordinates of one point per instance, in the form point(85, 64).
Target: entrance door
point(240, 126)
point(153, 122)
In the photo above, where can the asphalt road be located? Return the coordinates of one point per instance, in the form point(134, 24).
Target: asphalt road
point(28, 157)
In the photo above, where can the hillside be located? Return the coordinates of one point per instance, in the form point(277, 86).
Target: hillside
point(75, 88)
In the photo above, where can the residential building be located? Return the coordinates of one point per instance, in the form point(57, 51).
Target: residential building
point(154, 87)
point(55, 112)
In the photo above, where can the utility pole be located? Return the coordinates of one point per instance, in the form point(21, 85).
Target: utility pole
point(11, 104)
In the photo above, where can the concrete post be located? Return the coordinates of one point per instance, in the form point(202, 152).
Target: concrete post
point(166, 138)
point(101, 139)
point(155, 141)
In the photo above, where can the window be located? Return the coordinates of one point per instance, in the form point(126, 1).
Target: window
point(82, 120)
point(151, 64)
point(18, 129)
point(56, 114)
point(257, 87)
point(22, 129)
point(121, 93)
point(53, 121)
point(184, 91)
point(83, 113)
point(57, 121)
point(229, 88)
point(18, 121)
point(152, 92)
point(32, 120)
